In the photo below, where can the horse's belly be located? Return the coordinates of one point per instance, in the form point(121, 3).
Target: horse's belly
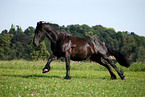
point(81, 54)
point(78, 58)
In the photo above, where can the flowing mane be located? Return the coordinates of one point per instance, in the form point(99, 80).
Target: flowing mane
point(55, 27)
point(48, 23)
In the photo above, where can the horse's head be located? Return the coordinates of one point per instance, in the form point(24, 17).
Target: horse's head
point(46, 29)
point(40, 34)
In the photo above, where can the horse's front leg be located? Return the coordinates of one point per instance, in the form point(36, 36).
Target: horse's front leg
point(47, 66)
point(67, 59)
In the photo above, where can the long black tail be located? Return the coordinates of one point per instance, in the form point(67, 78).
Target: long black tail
point(120, 57)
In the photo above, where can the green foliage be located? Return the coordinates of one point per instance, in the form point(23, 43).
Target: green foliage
point(19, 29)
point(29, 31)
point(39, 53)
point(12, 29)
point(140, 54)
point(20, 44)
point(24, 78)
point(5, 50)
point(5, 31)
point(75, 30)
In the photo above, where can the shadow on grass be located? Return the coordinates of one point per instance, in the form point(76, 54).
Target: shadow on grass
point(34, 76)
point(89, 77)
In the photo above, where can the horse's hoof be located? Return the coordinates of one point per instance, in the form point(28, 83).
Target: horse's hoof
point(113, 77)
point(124, 78)
point(45, 70)
point(67, 77)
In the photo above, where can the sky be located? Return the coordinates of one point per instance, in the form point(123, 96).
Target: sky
point(122, 15)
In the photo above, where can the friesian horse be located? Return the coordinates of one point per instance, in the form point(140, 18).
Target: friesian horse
point(77, 49)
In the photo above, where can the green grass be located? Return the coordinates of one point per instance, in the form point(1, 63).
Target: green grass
point(24, 79)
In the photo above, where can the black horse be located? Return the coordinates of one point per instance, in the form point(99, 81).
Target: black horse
point(77, 49)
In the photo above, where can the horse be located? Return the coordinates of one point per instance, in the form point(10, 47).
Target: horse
point(78, 49)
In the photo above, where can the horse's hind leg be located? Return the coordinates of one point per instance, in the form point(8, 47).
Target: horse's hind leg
point(108, 59)
point(97, 58)
point(113, 76)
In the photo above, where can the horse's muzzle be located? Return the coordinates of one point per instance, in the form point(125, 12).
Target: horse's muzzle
point(35, 43)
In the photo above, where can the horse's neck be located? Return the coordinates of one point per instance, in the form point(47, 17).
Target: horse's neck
point(56, 36)
point(52, 37)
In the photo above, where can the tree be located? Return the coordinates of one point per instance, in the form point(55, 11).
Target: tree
point(140, 54)
point(98, 31)
point(22, 38)
point(39, 53)
point(19, 29)
point(16, 44)
point(4, 48)
point(19, 45)
point(12, 29)
point(5, 31)
point(29, 31)
point(18, 51)
point(75, 30)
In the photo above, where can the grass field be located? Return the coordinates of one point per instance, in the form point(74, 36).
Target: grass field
point(24, 79)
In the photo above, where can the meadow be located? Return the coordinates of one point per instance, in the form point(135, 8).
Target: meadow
point(19, 78)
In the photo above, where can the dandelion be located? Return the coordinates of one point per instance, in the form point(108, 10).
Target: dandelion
point(83, 92)
point(75, 93)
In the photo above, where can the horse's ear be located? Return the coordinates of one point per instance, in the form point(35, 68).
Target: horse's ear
point(39, 23)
